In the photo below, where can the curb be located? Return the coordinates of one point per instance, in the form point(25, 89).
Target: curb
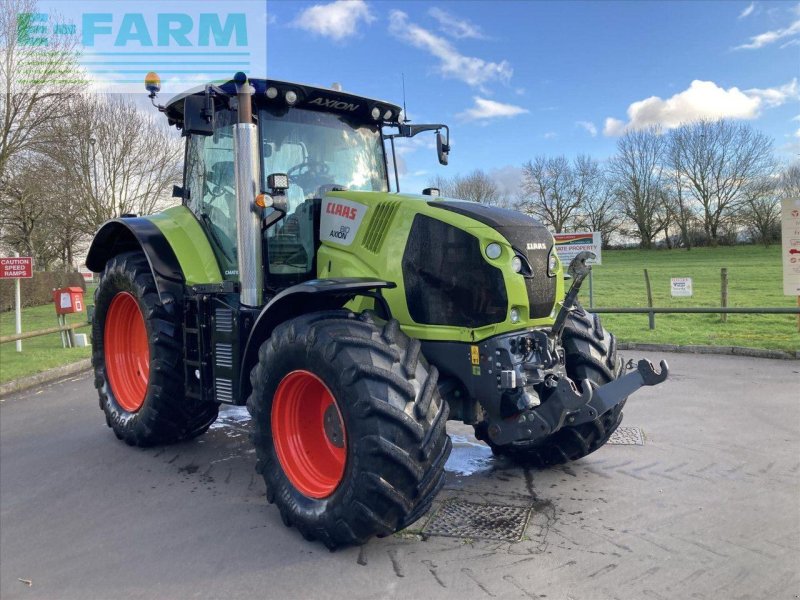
point(723, 350)
point(23, 383)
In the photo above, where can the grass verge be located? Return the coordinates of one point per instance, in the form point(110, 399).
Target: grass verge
point(39, 353)
point(754, 280)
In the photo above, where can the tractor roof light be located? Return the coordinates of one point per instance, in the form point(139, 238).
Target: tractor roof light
point(387, 116)
point(376, 113)
point(291, 97)
point(272, 93)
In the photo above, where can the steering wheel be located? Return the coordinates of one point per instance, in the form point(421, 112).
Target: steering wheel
point(308, 170)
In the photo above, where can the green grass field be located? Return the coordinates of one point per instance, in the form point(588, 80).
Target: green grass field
point(754, 276)
point(754, 280)
point(39, 353)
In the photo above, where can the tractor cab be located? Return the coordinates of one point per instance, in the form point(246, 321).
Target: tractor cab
point(310, 141)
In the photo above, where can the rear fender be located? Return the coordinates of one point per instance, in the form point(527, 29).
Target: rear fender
point(136, 233)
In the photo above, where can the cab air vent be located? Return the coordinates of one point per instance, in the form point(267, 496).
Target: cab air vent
point(224, 320)
point(378, 225)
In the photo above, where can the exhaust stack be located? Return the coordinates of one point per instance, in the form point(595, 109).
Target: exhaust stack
point(248, 230)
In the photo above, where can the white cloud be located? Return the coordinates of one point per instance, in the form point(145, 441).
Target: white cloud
point(490, 109)
point(772, 97)
point(769, 37)
point(337, 20)
point(702, 100)
point(455, 27)
point(550, 135)
point(747, 11)
point(590, 127)
point(473, 71)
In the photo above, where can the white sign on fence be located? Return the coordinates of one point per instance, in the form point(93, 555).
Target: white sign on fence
point(680, 287)
point(568, 245)
point(790, 234)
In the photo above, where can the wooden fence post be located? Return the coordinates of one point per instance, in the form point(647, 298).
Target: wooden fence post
point(724, 292)
point(651, 316)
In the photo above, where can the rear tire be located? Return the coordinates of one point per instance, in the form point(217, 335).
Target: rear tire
point(590, 353)
point(384, 462)
point(138, 359)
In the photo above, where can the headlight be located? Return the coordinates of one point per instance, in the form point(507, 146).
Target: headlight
point(514, 314)
point(291, 97)
point(376, 113)
point(272, 93)
point(516, 264)
point(552, 263)
point(493, 250)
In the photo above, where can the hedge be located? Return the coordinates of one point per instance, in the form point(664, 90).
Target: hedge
point(39, 289)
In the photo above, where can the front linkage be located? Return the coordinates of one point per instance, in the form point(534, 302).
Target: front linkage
point(524, 387)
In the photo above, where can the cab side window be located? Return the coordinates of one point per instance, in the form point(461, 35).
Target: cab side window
point(211, 184)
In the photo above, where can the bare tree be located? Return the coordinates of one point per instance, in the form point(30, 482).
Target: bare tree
point(716, 160)
point(550, 191)
point(598, 210)
point(476, 186)
point(637, 176)
point(25, 209)
point(35, 74)
point(761, 209)
point(115, 159)
point(790, 181)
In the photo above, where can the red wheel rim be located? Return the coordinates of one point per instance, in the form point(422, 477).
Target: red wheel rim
point(309, 434)
point(127, 352)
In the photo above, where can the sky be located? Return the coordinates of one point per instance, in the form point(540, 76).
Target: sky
point(515, 79)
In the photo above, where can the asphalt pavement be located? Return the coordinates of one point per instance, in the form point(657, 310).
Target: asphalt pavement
point(706, 507)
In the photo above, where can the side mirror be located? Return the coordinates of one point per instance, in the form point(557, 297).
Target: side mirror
point(442, 148)
point(197, 118)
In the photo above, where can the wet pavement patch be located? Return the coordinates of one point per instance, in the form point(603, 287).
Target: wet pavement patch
point(469, 520)
point(627, 436)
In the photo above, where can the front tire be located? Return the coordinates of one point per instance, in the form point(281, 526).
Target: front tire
point(348, 425)
point(138, 359)
point(590, 352)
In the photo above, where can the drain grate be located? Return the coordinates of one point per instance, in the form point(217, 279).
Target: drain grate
point(456, 518)
point(630, 436)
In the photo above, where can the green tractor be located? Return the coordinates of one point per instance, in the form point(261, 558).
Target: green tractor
point(353, 320)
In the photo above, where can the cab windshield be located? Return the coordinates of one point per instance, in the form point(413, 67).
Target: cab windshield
point(320, 151)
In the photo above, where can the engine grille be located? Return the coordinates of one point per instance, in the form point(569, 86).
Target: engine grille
point(451, 284)
point(522, 232)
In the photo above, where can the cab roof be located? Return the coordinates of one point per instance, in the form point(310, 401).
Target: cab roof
point(309, 97)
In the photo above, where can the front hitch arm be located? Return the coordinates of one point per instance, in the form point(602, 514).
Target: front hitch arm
point(579, 269)
point(606, 397)
point(569, 406)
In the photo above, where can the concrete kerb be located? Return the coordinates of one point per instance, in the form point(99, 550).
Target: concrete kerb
point(723, 350)
point(48, 376)
point(84, 365)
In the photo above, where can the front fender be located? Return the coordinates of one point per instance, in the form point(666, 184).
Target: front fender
point(309, 296)
point(136, 233)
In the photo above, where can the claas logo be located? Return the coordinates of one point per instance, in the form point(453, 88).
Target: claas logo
point(341, 210)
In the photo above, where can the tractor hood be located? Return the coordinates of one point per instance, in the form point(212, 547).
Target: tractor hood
point(436, 251)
